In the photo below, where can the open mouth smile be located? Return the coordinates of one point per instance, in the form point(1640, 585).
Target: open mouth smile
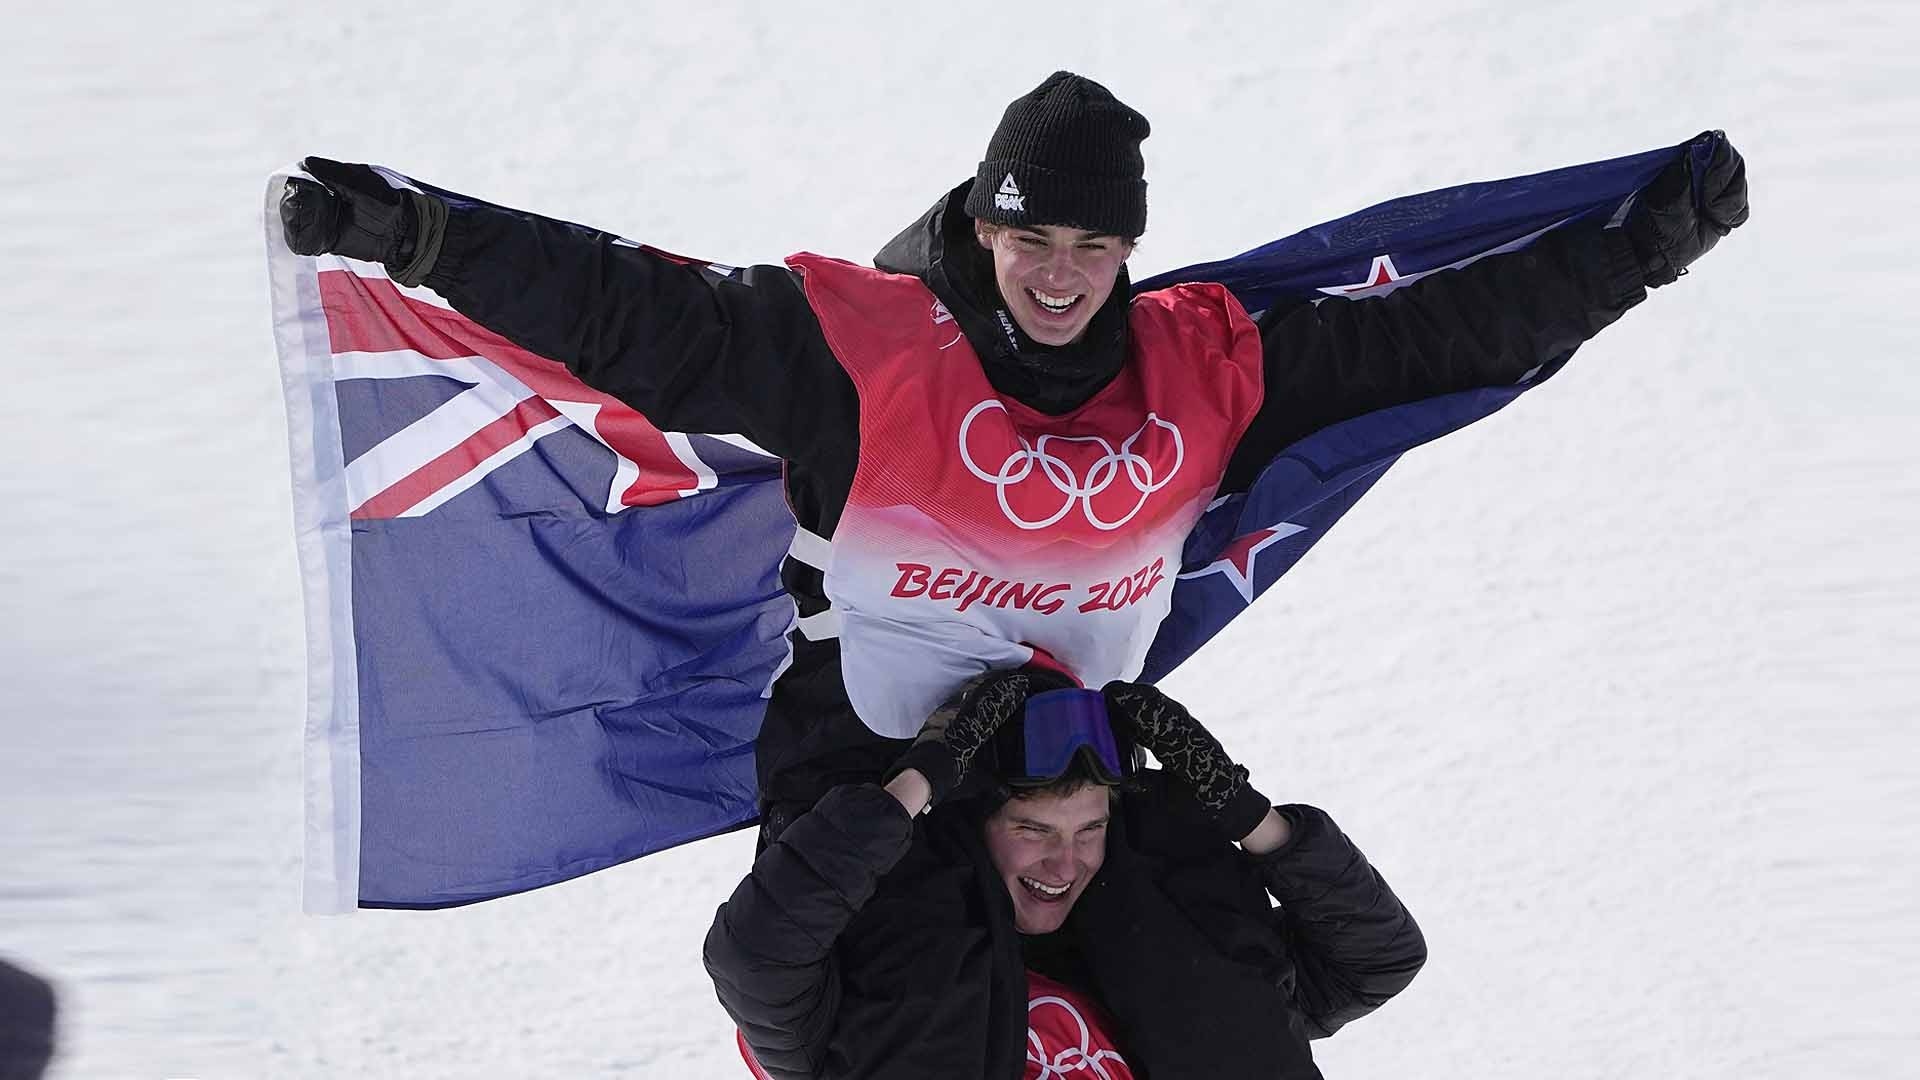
point(1055, 305)
point(1046, 893)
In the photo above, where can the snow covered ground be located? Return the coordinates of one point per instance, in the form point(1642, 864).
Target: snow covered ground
point(1617, 687)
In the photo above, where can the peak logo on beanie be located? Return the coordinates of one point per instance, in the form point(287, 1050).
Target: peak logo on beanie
point(1009, 198)
point(1075, 149)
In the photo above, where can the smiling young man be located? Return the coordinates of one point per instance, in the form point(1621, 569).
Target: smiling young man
point(1047, 850)
point(994, 452)
point(1057, 905)
point(1053, 278)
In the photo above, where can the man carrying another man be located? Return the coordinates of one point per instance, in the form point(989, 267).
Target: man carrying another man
point(1056, 904)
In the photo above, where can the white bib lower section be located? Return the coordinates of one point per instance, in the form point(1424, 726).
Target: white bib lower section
point(922, 610)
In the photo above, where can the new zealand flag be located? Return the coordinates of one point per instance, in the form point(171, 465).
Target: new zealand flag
point(540, 630)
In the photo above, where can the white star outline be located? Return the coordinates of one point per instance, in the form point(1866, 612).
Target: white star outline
point(1382, 278)
point(1225, 565)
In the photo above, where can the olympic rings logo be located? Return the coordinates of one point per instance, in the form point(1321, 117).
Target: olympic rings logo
point(1023, 461)
point(1071, 1059)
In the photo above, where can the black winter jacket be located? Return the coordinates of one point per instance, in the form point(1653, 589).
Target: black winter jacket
point(866, 945)
point(710, 349)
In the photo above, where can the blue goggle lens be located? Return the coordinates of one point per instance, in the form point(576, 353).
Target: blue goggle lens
point(1060, 724)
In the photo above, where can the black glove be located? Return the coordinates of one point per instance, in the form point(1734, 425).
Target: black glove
point(354, 212)
point(1189, 753)
point(948, 741)
point(1677, 218)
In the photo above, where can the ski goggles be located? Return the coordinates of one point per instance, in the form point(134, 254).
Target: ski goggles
point(1059, 726)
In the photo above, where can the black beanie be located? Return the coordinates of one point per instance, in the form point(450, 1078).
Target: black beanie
point(1068, 153)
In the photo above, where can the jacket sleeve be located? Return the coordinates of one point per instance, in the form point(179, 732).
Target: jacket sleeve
point(1352, 942)
point(770, 951)
point(692, 347)
point(1485, 324)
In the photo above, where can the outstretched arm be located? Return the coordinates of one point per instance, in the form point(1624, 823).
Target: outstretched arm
point(1492, 321)
point(1484, 324)
point(692, 347)
point(770, 951)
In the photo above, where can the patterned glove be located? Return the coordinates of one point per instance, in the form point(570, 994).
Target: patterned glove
point(1190, 754)
point(948, 741)
point(1677, 217)
point(354, 212)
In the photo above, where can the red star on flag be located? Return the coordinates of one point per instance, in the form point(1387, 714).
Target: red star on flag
point(1382, 272)
point(1237, 558)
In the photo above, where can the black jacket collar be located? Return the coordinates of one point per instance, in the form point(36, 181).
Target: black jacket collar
point(941, 251)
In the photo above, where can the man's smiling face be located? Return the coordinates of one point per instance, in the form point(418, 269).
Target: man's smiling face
point(1046, 848)
point(1051, 277)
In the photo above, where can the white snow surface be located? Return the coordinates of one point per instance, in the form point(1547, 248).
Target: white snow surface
point(1616, 687)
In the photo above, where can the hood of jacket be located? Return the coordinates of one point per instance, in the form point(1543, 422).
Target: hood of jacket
point(940, 249)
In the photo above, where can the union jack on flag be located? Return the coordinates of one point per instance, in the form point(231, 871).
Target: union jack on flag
point(379, 330)
point(540, 629)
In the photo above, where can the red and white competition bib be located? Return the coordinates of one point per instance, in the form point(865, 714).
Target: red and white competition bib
point(978, 530)
point(1069, 1035)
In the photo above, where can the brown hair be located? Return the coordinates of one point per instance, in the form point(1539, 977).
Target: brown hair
point(1078, 775)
